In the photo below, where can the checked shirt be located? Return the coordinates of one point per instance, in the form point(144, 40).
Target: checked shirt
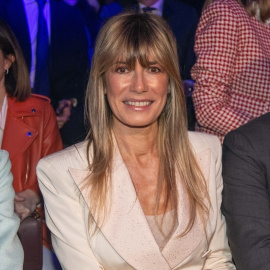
point(232, 71)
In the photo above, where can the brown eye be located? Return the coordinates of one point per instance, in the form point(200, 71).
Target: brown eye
point(154, 69)
point(122, 70)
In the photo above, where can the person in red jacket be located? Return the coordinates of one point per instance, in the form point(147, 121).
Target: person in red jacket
point(28, 128)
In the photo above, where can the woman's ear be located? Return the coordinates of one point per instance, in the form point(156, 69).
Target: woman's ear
point(10, 58)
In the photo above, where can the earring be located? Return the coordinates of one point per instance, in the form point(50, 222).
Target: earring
point(169, 91)
point(6, 71)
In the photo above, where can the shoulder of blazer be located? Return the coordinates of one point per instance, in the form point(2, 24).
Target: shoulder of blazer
point(252, 134)
point(35, 104)
point(201, 141)
point(74, 156)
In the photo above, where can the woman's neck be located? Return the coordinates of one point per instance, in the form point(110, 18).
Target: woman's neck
point(137, 144)
point(139, 150)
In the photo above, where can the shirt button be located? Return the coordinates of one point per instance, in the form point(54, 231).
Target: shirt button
point(33, 110)
point(29, 134)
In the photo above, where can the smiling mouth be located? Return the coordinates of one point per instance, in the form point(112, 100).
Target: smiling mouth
point(138, 103)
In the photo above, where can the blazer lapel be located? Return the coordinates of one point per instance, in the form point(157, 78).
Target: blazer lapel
point(127, 230)
point(178, 249)
point(126, 227)
point(25, 134)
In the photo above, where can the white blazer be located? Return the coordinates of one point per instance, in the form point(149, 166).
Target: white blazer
point(11, 251)
point(125, 241)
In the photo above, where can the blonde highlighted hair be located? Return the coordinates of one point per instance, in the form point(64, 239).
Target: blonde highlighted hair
point(132, 36)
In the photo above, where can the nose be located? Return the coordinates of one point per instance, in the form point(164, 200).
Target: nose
point(138, 80)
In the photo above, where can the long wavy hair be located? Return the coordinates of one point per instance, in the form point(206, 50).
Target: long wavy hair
point(252, 7)
point(17, 81)
point(134, 37)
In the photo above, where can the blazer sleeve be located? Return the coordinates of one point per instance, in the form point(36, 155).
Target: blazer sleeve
point(216, 47)
point(64, 211)
point(246, 201)
point(219, 252)
point(11, 252)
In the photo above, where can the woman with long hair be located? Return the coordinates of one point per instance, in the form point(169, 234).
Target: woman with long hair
point(28, 129)
point(141, 192)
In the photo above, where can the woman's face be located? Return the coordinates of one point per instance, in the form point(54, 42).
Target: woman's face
point(136, 96)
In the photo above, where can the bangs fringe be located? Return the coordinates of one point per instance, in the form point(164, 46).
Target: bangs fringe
point(134, 40)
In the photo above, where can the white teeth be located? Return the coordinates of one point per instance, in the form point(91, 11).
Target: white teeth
point(138, 103)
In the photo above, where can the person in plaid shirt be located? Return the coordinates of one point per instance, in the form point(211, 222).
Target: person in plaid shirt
point(232, 70)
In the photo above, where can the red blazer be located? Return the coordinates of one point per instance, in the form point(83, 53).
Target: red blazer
point(232, 71)
point(30, 133)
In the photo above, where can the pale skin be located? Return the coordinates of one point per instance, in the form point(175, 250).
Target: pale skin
point(26, 201)
point(137, 97)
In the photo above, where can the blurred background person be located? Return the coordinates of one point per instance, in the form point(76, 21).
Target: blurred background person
point(11, 251)
point(29, 128)
point(90, 12)
point(246, 193)
point(141, 192)
point(103, 2)
point(55, 43)
point(197, 4)
point(233, 64)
